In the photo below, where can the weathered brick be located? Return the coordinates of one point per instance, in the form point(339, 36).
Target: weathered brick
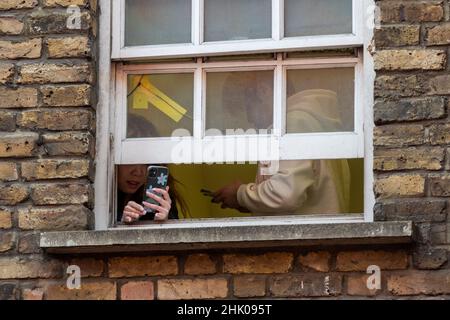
point(249, 286)
point(29, 267)
point(137, 290)
point(54, 22)
point(390, 11)
point(409, 110)
point(428, 158)
point(7, 121)
point(55, 169)
point(10, 26)
point(120, 267)
point(56, 119)
point(438, 35)
point(394, 36)
point(199, 264)
point(13, 194)
point(66, 96)
point(17, 4)
point(419, 282)
point(18, 98)
point(360, 260)
point(306, 285)
point(69, 47)
point(400, 185)
point(399, 86)
point(439, 185)
point(357, 286)
point(5, 219)
point(399, 135)
point(317, 261)
point(104, 290)
point(90, 267)
point(64, 3)
point(422, 11)
point(17, 49)
point(439, 133)
point(439, 85)
point(54, 73)
point(68, 143)
point(61, 193)
point(420, 59)
point(6, 72)
point(182, 289)
point(29, 243)
point(18, 144)
point(54, 218)
point(7, 241)
point(429, 258)
point(274, 262)
point(32, 294)
point(418, 210)
point(8, 171)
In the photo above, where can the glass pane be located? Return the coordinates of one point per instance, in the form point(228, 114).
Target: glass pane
point(239, 100)
point(237, 19)
point(320, 100)
point(158, 104)
point(151, 22)
point(317, 17)
point(299, 187)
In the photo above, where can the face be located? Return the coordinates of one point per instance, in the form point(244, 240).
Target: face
point(131, 177)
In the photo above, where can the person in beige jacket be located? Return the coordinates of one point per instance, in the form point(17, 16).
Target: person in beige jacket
point(299, 186)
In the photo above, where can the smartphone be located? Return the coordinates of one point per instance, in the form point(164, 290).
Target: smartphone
point(157, 177)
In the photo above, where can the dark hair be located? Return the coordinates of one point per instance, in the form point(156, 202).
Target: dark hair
point(139, 127)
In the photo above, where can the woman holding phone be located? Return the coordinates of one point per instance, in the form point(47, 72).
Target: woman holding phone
point(131, 181)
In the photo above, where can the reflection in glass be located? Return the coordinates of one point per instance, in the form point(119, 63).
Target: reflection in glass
point(320, 100)
point(158, 104)
point(317, 17)
point(239, 100)
point(237, 19)
point(152, 22)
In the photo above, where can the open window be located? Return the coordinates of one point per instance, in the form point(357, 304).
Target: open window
point(221, 90)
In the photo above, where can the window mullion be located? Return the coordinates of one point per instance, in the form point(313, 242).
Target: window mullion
point(277, 19)
point(279, 98)
point(198, 102)
point(197, 22)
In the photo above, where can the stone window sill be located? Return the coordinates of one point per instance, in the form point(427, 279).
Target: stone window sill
point(182, 236)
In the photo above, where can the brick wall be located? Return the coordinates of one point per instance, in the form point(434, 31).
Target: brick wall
point(47, 124)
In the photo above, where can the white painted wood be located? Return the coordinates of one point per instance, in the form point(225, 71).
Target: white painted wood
point(103, 183)
point(237, 47)
point(368, 84)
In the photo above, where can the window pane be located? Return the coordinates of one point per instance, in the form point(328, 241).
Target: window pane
point(151, 22)
point(317, 17)
point(239, 100)
point(237, 19)
point(158, 104)
point(320, 100)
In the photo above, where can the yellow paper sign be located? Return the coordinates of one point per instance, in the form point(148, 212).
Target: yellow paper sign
point(148, 93)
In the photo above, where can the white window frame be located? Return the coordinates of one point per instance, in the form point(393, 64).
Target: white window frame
point(326, 145)
point(197, 47)
point(110, 123)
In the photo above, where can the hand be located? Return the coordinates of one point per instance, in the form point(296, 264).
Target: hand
point(165, 203)
point(132, 212)
point(228, 196)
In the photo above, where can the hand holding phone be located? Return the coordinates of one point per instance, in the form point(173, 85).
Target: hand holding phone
point(157, 177)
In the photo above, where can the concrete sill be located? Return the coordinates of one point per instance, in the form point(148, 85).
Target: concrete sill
point(180, 237)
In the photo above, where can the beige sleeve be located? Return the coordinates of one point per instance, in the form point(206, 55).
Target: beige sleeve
point(283, 193)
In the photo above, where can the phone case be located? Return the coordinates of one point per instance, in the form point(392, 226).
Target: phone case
point(157, 177)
